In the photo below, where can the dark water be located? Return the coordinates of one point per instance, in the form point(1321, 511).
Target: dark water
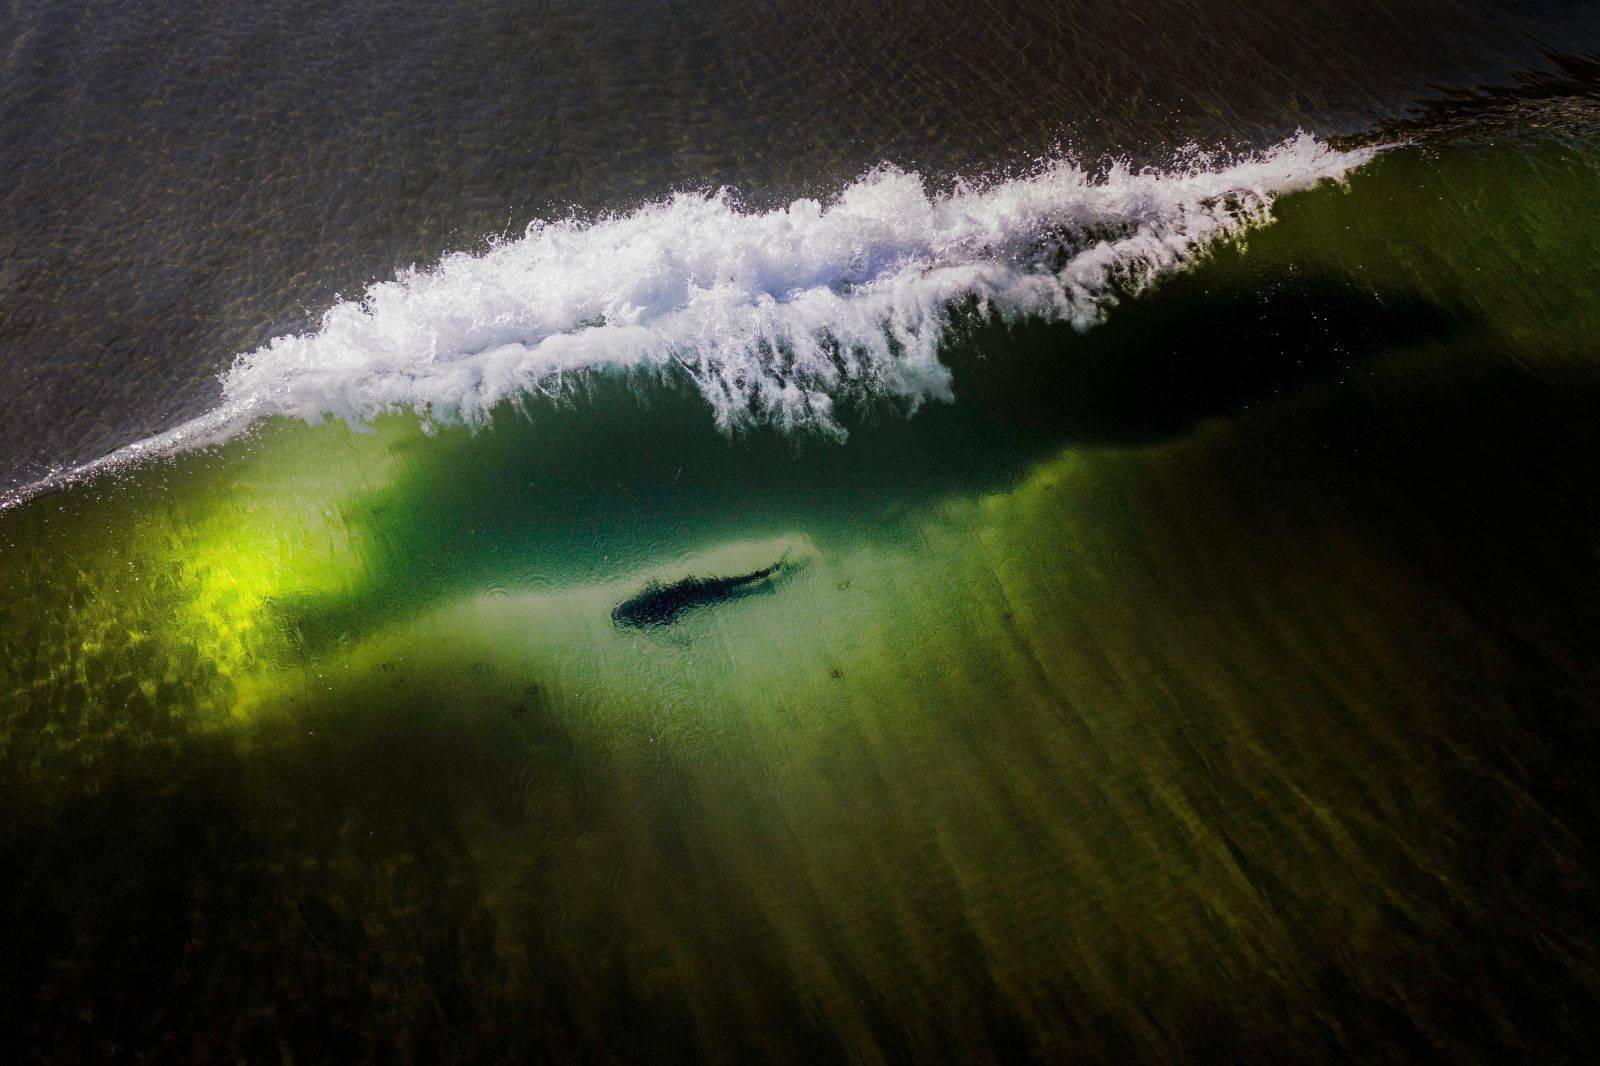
point(1215, 681)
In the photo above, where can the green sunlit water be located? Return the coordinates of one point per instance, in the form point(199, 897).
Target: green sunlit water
point(1211, 681)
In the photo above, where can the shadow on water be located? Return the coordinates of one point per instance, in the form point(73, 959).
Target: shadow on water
point(627, 475)
point(658, 605)
point(1565, 98)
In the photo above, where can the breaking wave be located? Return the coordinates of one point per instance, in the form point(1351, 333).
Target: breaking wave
point(777, 317)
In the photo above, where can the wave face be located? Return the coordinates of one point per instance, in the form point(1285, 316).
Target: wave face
point(777, 317)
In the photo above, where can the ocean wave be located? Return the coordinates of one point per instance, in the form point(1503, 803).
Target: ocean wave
point(777, 317)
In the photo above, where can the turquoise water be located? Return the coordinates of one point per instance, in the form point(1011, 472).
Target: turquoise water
point(1211, 680)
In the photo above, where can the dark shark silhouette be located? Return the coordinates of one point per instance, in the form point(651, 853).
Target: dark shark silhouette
point(657, 605)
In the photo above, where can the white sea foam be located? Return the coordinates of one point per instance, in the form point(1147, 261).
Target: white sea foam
point(778, 316)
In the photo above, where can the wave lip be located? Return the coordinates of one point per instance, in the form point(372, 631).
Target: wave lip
point(775, 316)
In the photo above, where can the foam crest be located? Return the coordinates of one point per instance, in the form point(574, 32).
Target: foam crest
point(777, 317)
